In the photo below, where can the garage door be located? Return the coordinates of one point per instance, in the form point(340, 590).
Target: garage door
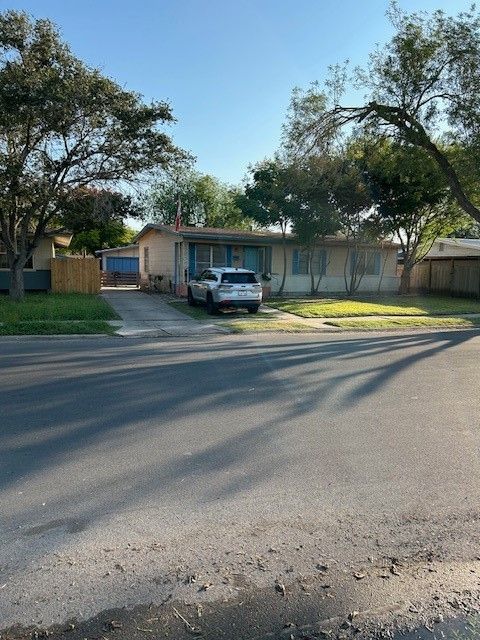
point(122, 264)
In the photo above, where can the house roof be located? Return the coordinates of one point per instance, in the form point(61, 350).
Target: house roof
point(231, 235)
point(61, 239)
point(465, 243)
point(126, 246)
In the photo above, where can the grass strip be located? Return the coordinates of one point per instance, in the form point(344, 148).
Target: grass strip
point(381, 306)
point(52, 327)
point(398, 323)
point(56, 306)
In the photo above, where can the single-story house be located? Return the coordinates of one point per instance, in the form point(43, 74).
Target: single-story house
point(179, 255)
point(454, 247)
point(119, 258)
point(37, 269)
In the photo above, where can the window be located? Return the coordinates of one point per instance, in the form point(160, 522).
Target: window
point(219, 255)
point(319, 262)
point(146, 259)
point(441, 246)
point(4, 259)
point(300, 262)
point(210, 255)
point(365, 263)
point(239, 278)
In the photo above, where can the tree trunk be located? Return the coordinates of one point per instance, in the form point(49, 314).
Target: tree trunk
point(17, 284)
point(405, 279)
point(284, 277)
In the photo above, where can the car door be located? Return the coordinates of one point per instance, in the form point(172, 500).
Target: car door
point(196, 286)
point(202, 285)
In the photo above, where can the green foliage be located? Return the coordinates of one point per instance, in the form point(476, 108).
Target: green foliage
point(63, 126)
point(412, 201)
point(96, 219)
point(423, 88)
point(204, 200)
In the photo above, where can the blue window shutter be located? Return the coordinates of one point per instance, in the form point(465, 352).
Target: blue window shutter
point(229, 255)
point(377, 263)
point(192, 259)
point(268, 260)
point(295, 262)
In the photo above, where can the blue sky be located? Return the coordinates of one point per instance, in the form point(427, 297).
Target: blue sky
point(227, 68)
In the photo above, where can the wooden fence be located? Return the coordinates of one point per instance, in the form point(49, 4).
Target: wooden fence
point(75, 275)
point(450, 276)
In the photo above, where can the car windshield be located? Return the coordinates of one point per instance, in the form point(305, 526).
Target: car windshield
point(239, 278)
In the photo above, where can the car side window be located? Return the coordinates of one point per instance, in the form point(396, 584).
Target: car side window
point(211, 277)
point(204, 275)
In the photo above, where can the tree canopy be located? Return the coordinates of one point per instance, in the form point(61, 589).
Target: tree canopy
point(63, 126)
point(205, 201)
point(423, 88)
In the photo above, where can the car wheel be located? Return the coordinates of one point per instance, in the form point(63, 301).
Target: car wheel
point(190, 298)
point(252, 309)
point(211, 306)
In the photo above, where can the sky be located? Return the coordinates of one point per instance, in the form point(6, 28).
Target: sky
point(226, 67)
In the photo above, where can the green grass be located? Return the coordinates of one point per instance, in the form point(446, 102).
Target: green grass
point(263, 325)
point(398, 323)
point(391, 306)
point(55, 306)
point(55, 327)
point(199, 313)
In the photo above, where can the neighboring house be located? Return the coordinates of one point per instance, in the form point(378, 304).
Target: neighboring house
point(454, 247)
point(37, 270)
point(178, 256)
point(119, 258)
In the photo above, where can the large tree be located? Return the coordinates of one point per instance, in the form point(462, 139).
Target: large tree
point(411, 200)
point(423, 88)
point(204, 199)
point(268, 200)
point(312, 183)
point(63, 125)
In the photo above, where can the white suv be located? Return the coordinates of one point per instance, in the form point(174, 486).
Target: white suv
point(225, 287)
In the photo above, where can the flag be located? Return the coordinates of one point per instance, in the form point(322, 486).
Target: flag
point(178, 217)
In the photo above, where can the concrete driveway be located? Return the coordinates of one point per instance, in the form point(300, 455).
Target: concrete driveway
point(149, 315)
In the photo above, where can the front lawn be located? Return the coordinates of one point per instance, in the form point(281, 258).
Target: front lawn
point(55, 306)
point(382, 306)
point(55, 327)
point(445, 322)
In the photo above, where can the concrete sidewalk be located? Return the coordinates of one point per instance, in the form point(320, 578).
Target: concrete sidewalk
point(149, 315)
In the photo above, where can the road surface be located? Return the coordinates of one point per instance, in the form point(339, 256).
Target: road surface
point(342, 469)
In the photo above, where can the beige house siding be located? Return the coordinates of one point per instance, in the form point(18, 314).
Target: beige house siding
point(43, 254)
point(161, 250)
point(161, 247)
point(333, 280)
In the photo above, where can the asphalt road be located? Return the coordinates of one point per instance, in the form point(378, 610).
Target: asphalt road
point(131, 470)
